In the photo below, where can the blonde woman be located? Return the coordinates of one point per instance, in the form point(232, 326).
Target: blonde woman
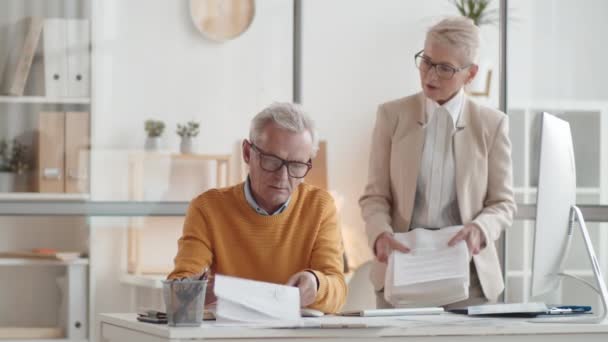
point(439, 159)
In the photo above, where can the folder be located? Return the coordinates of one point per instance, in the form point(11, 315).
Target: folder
point(77, 152)
point(25, 36)
point(51, 155)
point(55, 57)
point(78, 60)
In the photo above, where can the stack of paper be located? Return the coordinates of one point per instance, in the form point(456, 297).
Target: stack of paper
point(431, 274)
point(245, 300)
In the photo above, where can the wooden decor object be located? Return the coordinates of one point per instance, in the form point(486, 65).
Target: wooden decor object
point(317, 176)
point(222, 20)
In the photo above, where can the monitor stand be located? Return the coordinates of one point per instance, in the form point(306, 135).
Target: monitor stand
point(576, 215)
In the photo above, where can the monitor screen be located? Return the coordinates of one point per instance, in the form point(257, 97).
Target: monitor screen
point(556, 194)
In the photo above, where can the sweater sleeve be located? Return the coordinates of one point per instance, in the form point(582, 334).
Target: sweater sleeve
point(194, 247)
point(327, 263)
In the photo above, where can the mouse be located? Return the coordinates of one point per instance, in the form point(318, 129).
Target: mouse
point(305, 312)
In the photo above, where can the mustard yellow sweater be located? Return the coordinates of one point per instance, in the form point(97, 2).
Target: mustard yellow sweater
point(223, 231)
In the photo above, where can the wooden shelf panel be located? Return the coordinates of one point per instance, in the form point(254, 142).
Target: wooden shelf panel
point(44, 99)
point(32, 333)
point(41, 262)
point(37, 196)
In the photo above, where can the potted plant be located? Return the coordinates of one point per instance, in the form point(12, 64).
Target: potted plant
point(477, 10)
point(14, 165)
point(480, 12)
point(154, 130)
point(187, 132)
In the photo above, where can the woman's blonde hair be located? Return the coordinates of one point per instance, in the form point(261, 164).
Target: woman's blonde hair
point(459, 32)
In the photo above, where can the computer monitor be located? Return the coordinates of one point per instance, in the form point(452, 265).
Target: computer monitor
point(556, 211)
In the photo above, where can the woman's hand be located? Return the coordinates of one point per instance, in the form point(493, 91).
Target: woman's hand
point(472, 235)
point(385, 244)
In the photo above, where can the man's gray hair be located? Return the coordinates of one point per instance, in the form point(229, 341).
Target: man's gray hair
point(459, 32)
point(286, 115)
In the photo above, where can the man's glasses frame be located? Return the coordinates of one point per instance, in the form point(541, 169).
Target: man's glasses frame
point(295, 169)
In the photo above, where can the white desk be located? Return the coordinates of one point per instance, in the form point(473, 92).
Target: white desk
point(448, 327)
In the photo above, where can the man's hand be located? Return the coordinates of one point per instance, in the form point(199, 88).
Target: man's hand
point(385, 244)
point(307, 283)
point(472, 235)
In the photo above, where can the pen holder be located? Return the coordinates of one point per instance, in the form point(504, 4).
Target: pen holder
point(184, 301)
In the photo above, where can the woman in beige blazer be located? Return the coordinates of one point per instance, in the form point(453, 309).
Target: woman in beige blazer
point(439, 159)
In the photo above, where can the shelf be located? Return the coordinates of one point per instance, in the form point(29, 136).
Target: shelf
point(148, 281)
point(43, 99)
point(30, 334)
point(37, 196)
point(579, 191)
point(573, 272)
point(558, 104)
point(41, 262)
point(181, 156)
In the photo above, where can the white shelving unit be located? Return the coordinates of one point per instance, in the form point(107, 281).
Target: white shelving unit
point(52, 296)
point(589, 125)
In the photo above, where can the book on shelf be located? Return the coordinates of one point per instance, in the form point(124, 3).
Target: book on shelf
point(24, 37)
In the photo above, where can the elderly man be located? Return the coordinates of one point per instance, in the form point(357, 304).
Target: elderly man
point(272, 227)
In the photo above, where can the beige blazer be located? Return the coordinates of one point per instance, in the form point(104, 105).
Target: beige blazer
point(482, 156)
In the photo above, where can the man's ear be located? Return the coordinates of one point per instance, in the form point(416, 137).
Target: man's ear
point(473, 69)
point(246, 146)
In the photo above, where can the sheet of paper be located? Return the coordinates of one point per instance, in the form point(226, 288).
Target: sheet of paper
point(254, 301)
point(430, 258)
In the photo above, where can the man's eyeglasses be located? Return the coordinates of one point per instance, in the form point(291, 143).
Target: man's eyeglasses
point(443, 71)
point(272, 163)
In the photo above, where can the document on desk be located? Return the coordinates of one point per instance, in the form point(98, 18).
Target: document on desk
point(431, 274)
point(244, 300)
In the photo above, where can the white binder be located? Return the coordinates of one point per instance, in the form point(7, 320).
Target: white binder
point(79, 68)
point(54, 37)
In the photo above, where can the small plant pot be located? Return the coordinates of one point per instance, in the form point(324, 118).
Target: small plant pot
point(185, 146)
point(13, 182)
point(152, 143)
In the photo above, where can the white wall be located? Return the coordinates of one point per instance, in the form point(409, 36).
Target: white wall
point(557, 51)
point(357, 55)
point(151, 62)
